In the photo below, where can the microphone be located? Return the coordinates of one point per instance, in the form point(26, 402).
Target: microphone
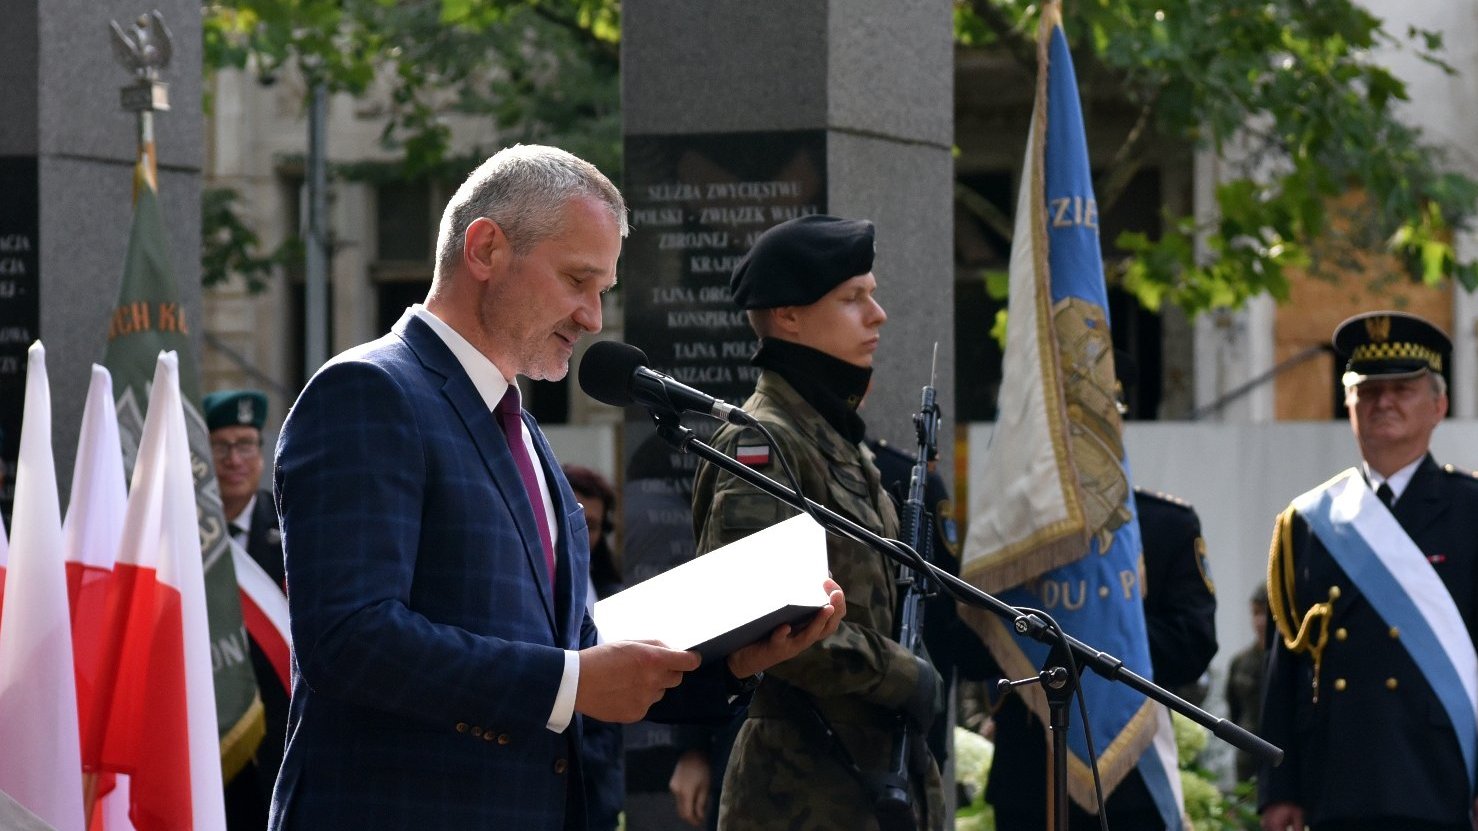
point(616, 373)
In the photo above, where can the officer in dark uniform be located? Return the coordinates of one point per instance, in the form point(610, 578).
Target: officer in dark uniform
point(1180, 616)
point(235, 419)
point(1371, 665)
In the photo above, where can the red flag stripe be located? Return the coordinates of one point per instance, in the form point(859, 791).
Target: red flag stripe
point(144, 719)
point(264, 610)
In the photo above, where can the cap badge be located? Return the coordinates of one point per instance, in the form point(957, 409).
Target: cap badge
point(1378, 327)
point(243, 411)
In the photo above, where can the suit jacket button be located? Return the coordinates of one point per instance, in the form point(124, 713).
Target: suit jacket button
point(1341, 633)
point(503, 738)
point(477, 731)
point(560, 765)
point(1395, 633)
point(1339, 684)
point(1391, 683)
point(461, 727)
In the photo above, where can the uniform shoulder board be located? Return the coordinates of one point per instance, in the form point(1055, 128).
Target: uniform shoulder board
point(1170, 499)
point(1456, 471)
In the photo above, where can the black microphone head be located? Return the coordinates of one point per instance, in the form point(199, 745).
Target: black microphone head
point(605, 371)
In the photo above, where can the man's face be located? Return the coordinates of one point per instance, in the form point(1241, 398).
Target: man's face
point(237, 452)
point(845, 322)
point(538, 307)
point(1395, 417)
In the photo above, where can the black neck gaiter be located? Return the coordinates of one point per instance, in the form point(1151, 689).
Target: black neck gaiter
point(833, 386)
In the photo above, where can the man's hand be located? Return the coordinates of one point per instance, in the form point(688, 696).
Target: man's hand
point(689, 786)
point(620, 681)
point(1283, 816)
point(783, 644)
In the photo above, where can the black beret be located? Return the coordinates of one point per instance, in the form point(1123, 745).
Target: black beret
point(1389, 345)
point(234, 408)
point(799, 260)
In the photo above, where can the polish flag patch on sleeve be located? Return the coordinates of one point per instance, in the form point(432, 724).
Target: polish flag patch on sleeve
point(754, 455)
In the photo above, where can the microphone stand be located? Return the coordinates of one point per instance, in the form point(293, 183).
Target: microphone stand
point(1056, 677)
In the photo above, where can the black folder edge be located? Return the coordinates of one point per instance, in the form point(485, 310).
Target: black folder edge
point(758, 629)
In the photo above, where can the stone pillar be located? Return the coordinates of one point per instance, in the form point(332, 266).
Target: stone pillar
point(830, 107)
point(67, 150)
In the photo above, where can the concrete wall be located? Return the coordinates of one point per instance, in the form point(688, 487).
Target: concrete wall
point(59, 85)
point(877, 77)
point(1239, 477)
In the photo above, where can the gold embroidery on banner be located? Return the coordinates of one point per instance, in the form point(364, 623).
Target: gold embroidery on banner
point(1093, 420)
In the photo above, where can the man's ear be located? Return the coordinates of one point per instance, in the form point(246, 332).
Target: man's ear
point(486, 250)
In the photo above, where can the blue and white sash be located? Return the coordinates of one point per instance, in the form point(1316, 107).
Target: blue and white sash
point(1395, 576)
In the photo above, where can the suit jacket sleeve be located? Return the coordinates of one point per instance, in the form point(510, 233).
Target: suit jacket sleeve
point(374, 534)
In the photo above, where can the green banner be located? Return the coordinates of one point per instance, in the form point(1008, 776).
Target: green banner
point(148, 319)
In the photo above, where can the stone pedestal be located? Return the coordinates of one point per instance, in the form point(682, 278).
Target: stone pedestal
point(66, 155)
point(742, 113)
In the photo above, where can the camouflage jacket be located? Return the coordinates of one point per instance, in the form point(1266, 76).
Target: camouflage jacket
point(782, 773)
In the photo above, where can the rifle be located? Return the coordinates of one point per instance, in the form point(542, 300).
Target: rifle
point(894, 808)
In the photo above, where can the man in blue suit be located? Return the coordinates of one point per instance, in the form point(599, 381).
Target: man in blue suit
point(436, 557)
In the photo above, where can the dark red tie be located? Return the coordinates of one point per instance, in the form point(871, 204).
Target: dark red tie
point(511, 420)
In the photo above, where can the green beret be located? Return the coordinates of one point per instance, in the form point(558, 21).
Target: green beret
point(1390, 345)
point(234, 408)
point(799, 260)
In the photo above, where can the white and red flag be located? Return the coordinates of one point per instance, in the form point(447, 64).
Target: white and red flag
point(40, 761)
point(91, 533)
point(154, 717)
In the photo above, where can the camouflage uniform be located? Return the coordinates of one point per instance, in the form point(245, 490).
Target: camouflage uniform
point(783, 774)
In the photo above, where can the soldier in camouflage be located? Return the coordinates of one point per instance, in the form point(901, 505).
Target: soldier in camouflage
point(808, 287)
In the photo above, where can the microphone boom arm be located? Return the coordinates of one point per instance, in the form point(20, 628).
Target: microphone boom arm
point(1028, 625)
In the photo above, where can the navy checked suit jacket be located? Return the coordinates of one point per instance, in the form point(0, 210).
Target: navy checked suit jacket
point(427, 641)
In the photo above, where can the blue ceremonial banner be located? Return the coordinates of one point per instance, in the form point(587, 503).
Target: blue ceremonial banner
point(1053, 524)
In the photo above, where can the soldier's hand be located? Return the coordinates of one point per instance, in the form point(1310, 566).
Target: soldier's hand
point(620, 681)
point(689, 785)
point(927, 701)
point(784, 644)
point(1283, 816)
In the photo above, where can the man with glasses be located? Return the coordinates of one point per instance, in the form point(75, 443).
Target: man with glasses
point(235, 418)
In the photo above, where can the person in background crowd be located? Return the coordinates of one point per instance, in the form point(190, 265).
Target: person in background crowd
point(235, 419)
point(1246, 677)
point(605, 780)
point(1371, 587)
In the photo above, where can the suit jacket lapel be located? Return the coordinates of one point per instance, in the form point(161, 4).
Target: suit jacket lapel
point(563, 556)
point(488, 437)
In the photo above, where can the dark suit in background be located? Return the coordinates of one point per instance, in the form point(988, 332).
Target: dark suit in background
point(1180, 617)
point(264, 545)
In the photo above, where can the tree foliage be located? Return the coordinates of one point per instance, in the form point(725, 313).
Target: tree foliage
point(1319, 173)
point(541, 70)
point(1289, 94)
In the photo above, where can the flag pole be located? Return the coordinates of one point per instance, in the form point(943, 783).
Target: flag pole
point(144, 48)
